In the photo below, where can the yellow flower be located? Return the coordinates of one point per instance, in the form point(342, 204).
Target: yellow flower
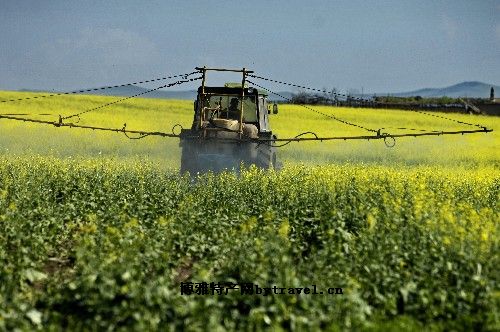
point(132, 223)
point(371, 221)
point(284, 229)
point(249, 225)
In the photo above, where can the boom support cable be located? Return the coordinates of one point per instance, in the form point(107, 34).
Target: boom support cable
point(389, 139)
point(308, 88)
point(130, 97)
point(98, 89)
point(123, 130)
point(312, 109)
point(359, 99)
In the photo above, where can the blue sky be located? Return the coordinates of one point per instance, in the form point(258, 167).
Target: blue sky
point(377, 46)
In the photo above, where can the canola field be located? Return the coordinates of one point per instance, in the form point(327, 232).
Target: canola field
point(98, 232)
point(19, 138)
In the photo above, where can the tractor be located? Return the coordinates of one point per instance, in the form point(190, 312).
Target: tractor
point(230, 128)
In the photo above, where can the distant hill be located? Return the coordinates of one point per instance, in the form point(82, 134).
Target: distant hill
point(464, 89)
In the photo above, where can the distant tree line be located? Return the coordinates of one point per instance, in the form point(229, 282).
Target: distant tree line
point(333, 98)
point(312, 99)
point(417, 100)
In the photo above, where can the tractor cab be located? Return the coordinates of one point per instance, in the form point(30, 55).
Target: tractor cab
point(226, 106)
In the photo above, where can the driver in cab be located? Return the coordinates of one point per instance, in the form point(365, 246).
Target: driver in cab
point(233, 109)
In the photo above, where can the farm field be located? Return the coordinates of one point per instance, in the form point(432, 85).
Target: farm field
point(19, 138)
point(98, 232)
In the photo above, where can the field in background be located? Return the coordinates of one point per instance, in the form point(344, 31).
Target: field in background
point(161, 115)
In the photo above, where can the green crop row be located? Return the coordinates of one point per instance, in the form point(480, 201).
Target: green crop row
point(101, 245)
